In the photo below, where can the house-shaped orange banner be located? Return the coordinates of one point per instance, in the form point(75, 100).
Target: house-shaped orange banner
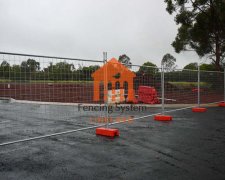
point(115, 73)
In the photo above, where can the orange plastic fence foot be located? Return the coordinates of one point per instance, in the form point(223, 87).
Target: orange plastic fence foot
point(107, 132)
point(222, 104)
point(199, 109)
point(162, 118)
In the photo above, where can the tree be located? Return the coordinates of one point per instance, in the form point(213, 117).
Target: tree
point(29, 68)
point(203, 67)
point(33, 65)
point(86, 71)
point(124, 59)
point(59, 71)
point(207, 67)
point(169, 62)
point(147, 75)
point(90, 69)
point(191, 66)
point(15, 72)
point(5, 64)
point(148, 68)
point(30, 65)
point(5, 69)
point(201, 28)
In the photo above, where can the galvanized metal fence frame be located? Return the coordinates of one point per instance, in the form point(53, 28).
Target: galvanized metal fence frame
point(107, 123)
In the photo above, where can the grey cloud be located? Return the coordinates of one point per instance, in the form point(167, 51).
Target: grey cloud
point(142, 29)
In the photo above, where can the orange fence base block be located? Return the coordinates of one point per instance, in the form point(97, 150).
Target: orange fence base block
point(222, 104)
point(107, 132)
point(199, 109)
point(163, 118)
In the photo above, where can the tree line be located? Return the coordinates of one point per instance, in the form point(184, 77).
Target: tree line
point(31, 70)
point(64, 71)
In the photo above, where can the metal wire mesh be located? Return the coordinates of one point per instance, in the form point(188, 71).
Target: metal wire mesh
point(211, 86)
point(141, 88)
point(42, 95)
point(181, 87)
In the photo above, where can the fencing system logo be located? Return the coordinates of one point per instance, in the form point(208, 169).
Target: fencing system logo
point(117, 80)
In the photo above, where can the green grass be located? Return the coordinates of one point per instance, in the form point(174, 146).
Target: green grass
point(188, 85)
point(5, 80)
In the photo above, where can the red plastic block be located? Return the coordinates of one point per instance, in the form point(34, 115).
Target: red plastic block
point(163, 118)
point(199, 109)
point(222, 104)
point(107, 132)
point(148, 95)
point(196, 90)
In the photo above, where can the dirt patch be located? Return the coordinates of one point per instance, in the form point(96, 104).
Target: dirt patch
point(83, 93)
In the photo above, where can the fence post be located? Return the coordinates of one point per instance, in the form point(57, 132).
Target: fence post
point(224, 85)
point(198, 85)
point(9, 85)
point(106, 88)
point(198, 108)
point(110, 132)
point(163, 88)
point(162, 117)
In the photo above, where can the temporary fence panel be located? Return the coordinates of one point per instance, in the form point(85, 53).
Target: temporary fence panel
point(42, 95)
point(211, 86)
point(180, 87)
point(188, 88)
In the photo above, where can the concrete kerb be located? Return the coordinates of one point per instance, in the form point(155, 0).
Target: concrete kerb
point(95, 104)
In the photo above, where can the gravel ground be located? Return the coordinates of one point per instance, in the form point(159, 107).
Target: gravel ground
point(190, 147)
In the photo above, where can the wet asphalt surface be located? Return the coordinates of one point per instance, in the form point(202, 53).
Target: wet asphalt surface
point(192, 146)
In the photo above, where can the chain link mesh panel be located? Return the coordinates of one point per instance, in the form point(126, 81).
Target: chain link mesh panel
point(211, 86)
point(44, 95)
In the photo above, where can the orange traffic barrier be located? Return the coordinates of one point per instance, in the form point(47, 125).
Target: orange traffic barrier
point(199, 109)
point(107, 132)
point(163, 118)
point(222, 104)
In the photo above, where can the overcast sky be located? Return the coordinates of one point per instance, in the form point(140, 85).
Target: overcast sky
point(142, 29)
